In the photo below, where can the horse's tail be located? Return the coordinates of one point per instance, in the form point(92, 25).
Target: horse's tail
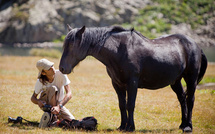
point(204, 64)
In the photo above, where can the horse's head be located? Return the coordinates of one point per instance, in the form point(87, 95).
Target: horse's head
point(72, 52)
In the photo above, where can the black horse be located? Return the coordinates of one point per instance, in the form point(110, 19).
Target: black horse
point(133, 61)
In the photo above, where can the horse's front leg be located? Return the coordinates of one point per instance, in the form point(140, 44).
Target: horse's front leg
point(132, 93)
point(121, 92)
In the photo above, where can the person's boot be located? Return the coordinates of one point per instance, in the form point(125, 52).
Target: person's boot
point(54, 120)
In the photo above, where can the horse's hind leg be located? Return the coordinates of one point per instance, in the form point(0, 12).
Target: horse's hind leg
point(178, 89)
point(191, 81)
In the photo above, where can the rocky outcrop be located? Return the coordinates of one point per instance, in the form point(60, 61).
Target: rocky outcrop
point(30, 21)
point(45, 20)
point(204, 35)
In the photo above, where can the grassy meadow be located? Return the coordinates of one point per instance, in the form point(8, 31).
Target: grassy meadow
point(93, 95)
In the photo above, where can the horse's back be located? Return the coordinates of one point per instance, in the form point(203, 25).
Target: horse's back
point(165, 59)
point(157, 62)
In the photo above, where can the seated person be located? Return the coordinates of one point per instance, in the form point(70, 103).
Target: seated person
point(50, 85)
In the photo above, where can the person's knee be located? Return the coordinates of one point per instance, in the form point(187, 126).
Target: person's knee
point(52, 92)
point(52, 89)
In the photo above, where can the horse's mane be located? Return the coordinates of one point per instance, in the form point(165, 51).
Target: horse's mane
point(96, 36)
point(117, 29)
point(121, 29)
point(138, 33)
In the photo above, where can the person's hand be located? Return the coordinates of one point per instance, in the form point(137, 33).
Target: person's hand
point(41, 103)
point(55, 110)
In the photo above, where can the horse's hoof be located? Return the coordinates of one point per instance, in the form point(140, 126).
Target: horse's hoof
point(121, 128)
point(187, 129)
point(130, 129)
point(182, 126)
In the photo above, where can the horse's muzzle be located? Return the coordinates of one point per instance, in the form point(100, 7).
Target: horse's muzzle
point(64, 71)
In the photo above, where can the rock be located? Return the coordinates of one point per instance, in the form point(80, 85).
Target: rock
point(204, 36)
point(29, 21)
point(206, 86)
point(36, 21)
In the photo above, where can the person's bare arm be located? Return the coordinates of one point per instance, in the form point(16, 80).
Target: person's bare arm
point(34, 99)
point(67, 97)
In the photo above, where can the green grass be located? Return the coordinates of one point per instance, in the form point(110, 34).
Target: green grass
point(209, 79)
point(61, 39)
point(155, 20)
point(93, 95)
point(45, 52)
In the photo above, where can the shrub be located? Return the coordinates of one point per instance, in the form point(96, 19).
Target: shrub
point(45, 52)
point(156, 19)
point(61, 39)
point(20, 13)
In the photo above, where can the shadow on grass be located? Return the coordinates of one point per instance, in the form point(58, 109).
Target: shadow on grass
point(34, 124)
point(143, 130)
point(24, 125)
point(157, 130)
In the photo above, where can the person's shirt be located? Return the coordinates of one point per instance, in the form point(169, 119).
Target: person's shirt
point(60, 80)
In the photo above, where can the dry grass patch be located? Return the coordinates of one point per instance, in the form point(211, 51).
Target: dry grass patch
point(93, 95)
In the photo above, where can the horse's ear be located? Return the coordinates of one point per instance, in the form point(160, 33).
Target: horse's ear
point(81, 31)
point(68, 26)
